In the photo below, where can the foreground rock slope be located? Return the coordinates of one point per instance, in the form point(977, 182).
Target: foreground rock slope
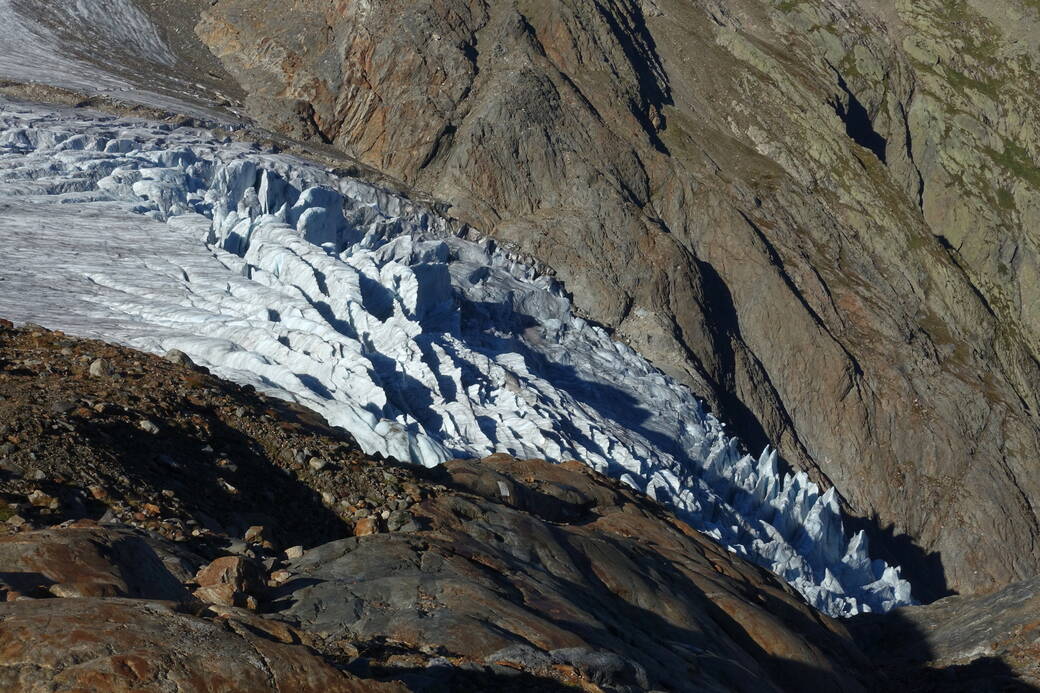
point(126, 475)
point(749, 193)
point(161, 529)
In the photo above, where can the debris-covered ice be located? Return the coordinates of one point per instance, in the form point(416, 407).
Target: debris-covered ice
point(363, 306)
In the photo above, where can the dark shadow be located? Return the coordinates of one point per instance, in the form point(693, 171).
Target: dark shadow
point(721, 313)
point(640, 48)
point(858, 125)
point(33, 585)
point(404, 393)
point(314, 385)
point(924, 569)
point(231, 496)
point(144, 573)
point(901, 652)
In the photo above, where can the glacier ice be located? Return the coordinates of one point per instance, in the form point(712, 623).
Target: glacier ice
point(423, 344)
point(99, 47)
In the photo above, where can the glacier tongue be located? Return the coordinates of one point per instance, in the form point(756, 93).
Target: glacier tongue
point(363, 306)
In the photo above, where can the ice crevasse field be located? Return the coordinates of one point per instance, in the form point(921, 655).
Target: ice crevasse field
point(367, 308)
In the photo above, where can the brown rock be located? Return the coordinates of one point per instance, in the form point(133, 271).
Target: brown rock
point(42, 500)
point(91, 562)
point(366, 526)
point(102, 646)
point(221, 593)
point(240, 573)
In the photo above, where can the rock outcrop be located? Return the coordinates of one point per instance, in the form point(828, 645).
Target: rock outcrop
point(983, 643)
point(540, 567)
point(230, 528)
point(128, 645)
point(818, 215)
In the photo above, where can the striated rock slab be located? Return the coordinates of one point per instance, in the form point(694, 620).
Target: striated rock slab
point(91, 562)
point(536, 566)
point(116, 645)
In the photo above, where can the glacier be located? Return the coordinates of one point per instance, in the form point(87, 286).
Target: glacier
point(422, 339)
point(107, 48)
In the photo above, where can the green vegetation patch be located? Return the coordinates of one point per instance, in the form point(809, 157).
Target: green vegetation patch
point(1017, 161)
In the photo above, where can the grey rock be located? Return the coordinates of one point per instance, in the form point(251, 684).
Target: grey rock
point(180, 358)
point(501, 579)
point(100, 368)
point(397, 519)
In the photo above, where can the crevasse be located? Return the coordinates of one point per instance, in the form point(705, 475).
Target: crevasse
point(362, 305)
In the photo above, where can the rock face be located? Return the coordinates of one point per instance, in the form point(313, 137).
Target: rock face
point(816, 215)
point(959, 643)
point(536, 566)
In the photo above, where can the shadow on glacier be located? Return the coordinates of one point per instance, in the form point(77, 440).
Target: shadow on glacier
point(610, 402)
point(497, 328)
point(407, 395)
point(923, 568)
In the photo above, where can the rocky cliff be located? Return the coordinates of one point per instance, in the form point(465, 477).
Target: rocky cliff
point(817, 214)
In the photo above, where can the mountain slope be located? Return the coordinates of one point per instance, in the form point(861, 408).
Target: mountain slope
point(755, 196)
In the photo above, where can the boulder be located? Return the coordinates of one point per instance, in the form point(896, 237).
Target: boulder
point(229, 581)
point(93, 562)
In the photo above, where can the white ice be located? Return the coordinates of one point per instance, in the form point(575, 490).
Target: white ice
point(361, 305)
